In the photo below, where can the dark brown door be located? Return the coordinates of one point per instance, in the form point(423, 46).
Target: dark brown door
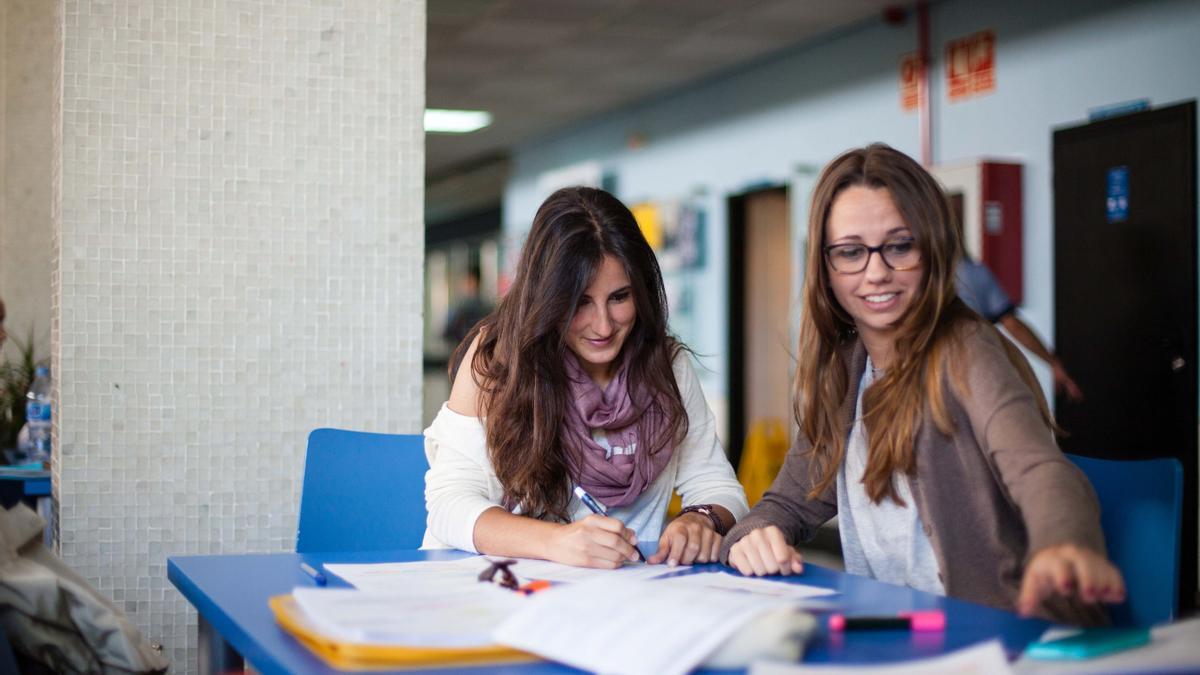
point(760, 269)
point(768, 304)
point(1125, 294)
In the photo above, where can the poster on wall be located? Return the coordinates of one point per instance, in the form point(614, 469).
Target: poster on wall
point(675, 229)
point(971, 65)
point(646, 215)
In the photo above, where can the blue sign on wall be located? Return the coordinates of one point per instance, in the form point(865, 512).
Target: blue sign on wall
point(1117, 202)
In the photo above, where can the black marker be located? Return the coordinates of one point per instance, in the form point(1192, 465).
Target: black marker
point(928, 620)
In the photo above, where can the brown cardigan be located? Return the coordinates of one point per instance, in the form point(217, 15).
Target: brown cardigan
point(989, 494)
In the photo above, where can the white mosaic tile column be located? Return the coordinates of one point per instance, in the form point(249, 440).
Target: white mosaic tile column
point(30, 43)
point(239, 260)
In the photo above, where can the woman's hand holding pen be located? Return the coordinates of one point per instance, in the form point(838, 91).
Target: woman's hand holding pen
point(594, 541)
point(688, 539)
point(1068, 570)
point(765, 551)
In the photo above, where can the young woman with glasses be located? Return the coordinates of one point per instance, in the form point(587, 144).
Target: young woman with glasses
point(574, 381)
point(921, 427)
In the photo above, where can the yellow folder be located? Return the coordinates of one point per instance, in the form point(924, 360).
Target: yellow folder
point(354, 656)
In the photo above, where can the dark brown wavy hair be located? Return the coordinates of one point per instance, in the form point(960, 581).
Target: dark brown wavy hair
point(929, 337)
point(519, 363)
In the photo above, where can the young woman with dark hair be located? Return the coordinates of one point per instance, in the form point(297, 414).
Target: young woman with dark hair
point(921, 427)
point(574, 380)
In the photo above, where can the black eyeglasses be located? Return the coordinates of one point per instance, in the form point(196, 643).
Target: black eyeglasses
point(899, 255)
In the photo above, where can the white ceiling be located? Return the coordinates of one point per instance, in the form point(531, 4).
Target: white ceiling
point(541, 65)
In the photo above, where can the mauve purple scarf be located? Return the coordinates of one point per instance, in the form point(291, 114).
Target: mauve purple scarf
point(619, 477)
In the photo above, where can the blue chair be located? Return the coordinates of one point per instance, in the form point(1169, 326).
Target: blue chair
point(1141, 511)
point(8, 661)
point(362, 492)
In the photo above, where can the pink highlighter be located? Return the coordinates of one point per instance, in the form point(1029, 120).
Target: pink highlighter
point(927, 620)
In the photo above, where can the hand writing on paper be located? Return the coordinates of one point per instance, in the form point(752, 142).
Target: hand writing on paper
point(1068, 570)
point(689, 538)
point(765, 551)
point(595, 541)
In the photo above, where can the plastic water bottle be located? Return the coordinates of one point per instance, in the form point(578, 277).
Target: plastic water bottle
point(37, 415)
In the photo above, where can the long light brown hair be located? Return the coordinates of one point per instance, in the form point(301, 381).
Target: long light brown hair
point(519, 363)
point(929, 336)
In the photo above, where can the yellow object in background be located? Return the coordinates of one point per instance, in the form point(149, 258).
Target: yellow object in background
point(647, 217)
point(675, 506)
point(762, 457)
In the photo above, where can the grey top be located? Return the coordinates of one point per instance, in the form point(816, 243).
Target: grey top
point(55, 617)
point(884, 540)
point(989, 494)
point(977, 287)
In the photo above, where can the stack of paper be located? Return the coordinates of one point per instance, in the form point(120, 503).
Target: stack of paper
point(462, 618)
point(354, 646)
point(603, 620)
point(450, 575)
point(630, 627)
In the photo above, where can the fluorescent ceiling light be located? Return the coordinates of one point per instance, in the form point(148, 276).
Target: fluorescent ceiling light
point(440, 121)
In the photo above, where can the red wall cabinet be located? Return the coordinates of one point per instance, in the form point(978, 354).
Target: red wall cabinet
point(989, 196)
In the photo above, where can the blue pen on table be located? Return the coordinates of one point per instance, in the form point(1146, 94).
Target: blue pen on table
point(313, 572)
point(598, 509)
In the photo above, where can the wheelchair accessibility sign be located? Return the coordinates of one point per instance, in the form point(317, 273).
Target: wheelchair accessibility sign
point(1117, 201)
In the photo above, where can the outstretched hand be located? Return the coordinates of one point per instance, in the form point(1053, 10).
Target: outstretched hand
point(1064, 383)
point(1069, 570)
point(688, 539)
point(765, 551)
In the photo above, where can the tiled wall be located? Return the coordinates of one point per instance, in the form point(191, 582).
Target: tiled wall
point(238, 262)
point(30, 42)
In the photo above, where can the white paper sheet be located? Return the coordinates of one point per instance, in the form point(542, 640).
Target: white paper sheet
point(986, 658)
point(428, 576)
point(723, 581)
point(629, 627)
point(552, 571)
point(462, 618)
point(437, 576)
point(1173, 648)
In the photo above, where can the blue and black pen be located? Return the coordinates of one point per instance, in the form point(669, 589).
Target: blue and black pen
point(598, 509)
point(313, 573)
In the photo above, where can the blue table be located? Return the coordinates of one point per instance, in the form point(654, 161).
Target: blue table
point(31, 487)
point(19, 484)
point(230, 593)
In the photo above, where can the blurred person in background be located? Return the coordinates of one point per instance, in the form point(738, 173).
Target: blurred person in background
point(470, 309)
point(977, 287)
